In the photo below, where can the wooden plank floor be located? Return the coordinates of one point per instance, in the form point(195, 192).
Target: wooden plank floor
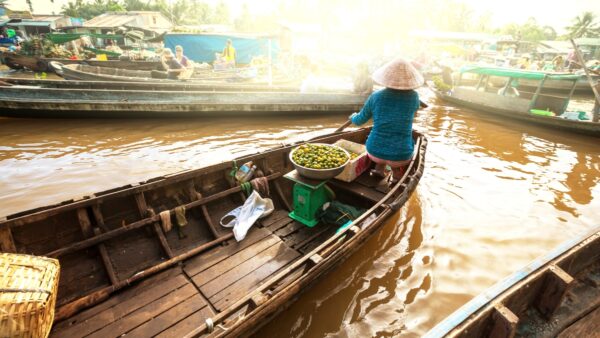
point(149, 308)
point(173, 302)
point(588, 326)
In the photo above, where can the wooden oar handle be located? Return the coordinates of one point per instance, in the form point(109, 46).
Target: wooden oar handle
point(346, 124)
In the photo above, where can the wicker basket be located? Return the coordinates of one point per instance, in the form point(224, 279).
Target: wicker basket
point(28, 288)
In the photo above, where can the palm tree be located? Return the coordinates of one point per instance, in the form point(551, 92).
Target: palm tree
point(584, 26)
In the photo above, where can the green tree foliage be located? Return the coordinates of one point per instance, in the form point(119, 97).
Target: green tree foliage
point(529, 31)
point(88, 10)
point(188, 12)
point(221, 13)
point(584, 26)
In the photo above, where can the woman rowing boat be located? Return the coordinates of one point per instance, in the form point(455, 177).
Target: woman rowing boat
point(392, 109)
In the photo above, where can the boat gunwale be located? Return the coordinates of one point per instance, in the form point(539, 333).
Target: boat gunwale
point(21, 218)
point(211, 92)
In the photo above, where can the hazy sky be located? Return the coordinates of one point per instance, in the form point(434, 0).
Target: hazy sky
point(556, 13)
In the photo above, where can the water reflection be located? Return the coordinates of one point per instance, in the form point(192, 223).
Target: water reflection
point(495, 195)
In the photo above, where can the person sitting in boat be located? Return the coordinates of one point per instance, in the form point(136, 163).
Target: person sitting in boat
point(229, 53)
point(171, 65)
point(182, 59)
point(558, 63)
point(392, 109)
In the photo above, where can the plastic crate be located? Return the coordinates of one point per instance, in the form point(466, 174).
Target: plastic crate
point(356, 166)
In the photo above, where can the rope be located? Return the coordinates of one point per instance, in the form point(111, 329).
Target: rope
point(234, 169)
point(246, 188)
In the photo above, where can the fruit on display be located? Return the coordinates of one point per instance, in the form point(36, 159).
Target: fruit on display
point(318, 156)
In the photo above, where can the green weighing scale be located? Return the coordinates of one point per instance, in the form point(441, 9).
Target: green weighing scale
point(309, 197)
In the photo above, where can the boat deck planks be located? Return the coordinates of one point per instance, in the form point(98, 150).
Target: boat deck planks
point(127, 310)
point(587, 326)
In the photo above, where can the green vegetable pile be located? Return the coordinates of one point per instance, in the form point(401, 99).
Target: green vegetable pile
point(440, 84)
point(319, 156)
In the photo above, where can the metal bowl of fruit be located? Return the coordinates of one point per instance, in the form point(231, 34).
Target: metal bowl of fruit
point(319, 161)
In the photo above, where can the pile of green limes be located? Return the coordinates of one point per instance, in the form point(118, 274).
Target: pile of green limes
point(316, 156)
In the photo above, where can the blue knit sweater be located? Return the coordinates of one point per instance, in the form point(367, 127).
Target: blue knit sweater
point(392, 111)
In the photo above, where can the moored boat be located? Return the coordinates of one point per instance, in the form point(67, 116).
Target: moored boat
point(170, 86)
point(539, 107)
point(557, 295)
point(19, 101)
point(123, 273)
point(89, 73)
point(43, 64)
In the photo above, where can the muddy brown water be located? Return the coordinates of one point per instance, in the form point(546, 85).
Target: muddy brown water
point(495, 195)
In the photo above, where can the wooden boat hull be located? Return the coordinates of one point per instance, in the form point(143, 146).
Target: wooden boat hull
point(552, 86)
point(175, 86)
point(82, 103)
point(557, 295)
point(87, 73)
point(42, 64)
point(116, 221)
point(480, 103)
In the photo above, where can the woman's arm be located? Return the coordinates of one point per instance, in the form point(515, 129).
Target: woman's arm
point(364, 115)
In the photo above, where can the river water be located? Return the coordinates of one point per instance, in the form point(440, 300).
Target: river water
point(495, 195)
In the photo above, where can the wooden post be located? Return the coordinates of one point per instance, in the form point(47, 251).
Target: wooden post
point(568, 99)
point(553, 291)
point(596, 110)
point(537, 93)
point(504, 322)
point(507, 86)
point(481, 77)
point(596, 117)
point(146, 212)
point(7, 243)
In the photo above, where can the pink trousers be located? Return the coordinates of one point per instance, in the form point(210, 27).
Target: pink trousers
point(392, 164)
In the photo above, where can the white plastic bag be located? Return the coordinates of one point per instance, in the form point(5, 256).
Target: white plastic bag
point(242, 218)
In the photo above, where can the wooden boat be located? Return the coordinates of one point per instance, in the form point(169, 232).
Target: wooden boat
point(170, 86)
point(89, 73)
point(19, 101)
point(484, 98)
point(43, 64)
point(557, 295)
point(121, 273)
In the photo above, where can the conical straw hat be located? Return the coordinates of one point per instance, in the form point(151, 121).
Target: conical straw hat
point(398, 74)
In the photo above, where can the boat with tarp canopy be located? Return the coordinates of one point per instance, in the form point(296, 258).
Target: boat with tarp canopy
point(497, 91)
point(529, 80)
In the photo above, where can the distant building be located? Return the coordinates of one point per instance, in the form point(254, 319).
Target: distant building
point(112, 21)
point(152, 23)
point(28, 24)
point(590, 46)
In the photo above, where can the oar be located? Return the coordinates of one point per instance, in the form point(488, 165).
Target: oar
point(349, 122)
point(596, 116)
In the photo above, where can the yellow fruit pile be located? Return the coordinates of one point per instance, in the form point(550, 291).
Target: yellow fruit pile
point(319, 156)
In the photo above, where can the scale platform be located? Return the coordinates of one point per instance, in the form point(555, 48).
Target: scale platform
point(309, 196)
